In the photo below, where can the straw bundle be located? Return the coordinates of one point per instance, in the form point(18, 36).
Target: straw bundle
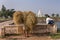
point(17, 17)
point(27, 18)
point(31, 20)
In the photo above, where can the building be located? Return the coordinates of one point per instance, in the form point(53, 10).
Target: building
point(39, 14)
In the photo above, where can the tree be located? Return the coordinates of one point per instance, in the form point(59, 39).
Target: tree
point(0, 14)
point(3, 11)
point(46, 15)
point(10, 12)
point(6, 12)
point(57, 15)
point(53, 15)
point(3, 8)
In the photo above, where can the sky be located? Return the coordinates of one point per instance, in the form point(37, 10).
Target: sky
point(46, 6)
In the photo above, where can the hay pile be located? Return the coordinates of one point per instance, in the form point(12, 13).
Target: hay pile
point(31, 20)
point(27, 18)
point(17, 17)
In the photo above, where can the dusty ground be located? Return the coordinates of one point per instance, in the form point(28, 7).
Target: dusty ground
point(22, 37)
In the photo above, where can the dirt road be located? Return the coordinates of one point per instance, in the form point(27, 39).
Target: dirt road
point(27, 38)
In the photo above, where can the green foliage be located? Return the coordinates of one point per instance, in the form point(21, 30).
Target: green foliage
point(57, 15)
point(3, 10)
point(55, 36)
point(6, 12)
point(10, 12)
point(53, 15)
point(46, 15)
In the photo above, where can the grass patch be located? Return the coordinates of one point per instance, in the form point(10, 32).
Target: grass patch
point(55, 36)
point(14, 39)
point(2, 36)
point(4, 19)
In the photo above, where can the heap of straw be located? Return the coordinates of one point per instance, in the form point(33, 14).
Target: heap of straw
point(31, 20)
point(27, 18)
point(17, 17)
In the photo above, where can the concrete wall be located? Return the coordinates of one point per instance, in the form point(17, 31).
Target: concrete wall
point(13, 29)
point(2, 32)
point(41, 28)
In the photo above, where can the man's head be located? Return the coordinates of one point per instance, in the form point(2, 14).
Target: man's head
point(48, 16)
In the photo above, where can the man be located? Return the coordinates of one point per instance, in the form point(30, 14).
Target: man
point(49, 20)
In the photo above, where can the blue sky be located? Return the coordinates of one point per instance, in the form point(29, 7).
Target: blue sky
point(46, 6)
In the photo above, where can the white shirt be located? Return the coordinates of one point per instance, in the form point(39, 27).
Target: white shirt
point(47, 20)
